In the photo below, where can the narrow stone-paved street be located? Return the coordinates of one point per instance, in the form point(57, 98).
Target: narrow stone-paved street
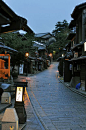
point(42, 65)
point(32, 120)
point(56, 106)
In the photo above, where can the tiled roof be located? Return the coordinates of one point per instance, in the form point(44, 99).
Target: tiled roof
point(43, 35)
point(78, 58)
point(8, 48)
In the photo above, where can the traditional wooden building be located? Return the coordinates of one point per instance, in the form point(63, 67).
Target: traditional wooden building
point(10, 21)
point(67, 66)
point(45, 38)
point(42, 40)
point(77, 46)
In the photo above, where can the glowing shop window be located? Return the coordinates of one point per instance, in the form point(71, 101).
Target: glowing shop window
point(84, 46)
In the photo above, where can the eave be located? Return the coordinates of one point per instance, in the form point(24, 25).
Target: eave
point(77, 10)
point(71, 36)
point(72, 24)
point(79, 58)
point(7, 16)
point(77, 46)
point(7, 48)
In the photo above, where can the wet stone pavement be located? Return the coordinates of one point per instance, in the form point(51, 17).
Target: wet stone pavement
point(32, 122)
point(56, 106)
point(50, 105)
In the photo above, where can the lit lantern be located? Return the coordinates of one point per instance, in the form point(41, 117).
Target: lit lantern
point(62, 55)
point(54, 52)
point(26, 54)
point(19, 101)
point(50, 54)
point(84, 46)
point(19, 94)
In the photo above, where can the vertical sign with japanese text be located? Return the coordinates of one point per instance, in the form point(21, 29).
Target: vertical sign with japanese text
point(19, 94)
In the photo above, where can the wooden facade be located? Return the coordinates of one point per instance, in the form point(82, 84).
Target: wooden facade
point(74, 61)
point(7, 16)
point(15, 22)
point(78, 61)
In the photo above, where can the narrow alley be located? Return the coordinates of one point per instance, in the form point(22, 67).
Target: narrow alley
point(56, 106)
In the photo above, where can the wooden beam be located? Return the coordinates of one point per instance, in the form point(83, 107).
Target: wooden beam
point(4, 20)
point(6, 11)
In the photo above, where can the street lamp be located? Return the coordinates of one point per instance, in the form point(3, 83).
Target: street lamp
point(27, 55)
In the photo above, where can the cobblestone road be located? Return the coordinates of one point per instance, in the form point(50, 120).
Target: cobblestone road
point(55, 105)
point(32, 122)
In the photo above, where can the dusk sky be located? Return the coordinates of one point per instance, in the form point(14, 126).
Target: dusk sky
point(42, 15)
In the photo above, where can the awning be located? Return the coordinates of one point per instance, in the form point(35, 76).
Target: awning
point(43, 35)
point(60, 58)
point(79, 58)
point(31, 58)
point(40, 45)
point(42, 48)
point(68, 44)
point(40, 59)
point(77, 46)
point(8, 48)
point(71, 36)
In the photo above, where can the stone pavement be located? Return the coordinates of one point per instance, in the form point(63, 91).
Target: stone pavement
point(52, 106)
point(56, 106)
point(32, 122)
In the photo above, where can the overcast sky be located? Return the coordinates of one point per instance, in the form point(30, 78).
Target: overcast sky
point(42, 15)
